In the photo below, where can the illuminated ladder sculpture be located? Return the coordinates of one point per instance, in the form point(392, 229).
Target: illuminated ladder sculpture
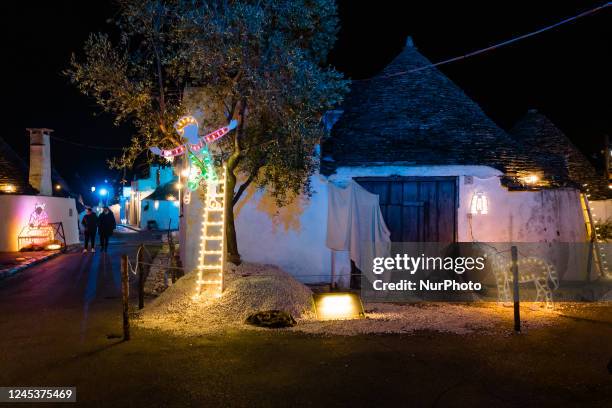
point(211, 262)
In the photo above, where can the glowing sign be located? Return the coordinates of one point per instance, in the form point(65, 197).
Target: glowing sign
point(480, 204)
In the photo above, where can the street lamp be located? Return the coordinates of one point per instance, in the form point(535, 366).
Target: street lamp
point(93, 189)
point(103, 193)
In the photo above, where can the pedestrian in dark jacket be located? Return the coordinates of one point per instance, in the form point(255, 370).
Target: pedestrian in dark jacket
point(106, 226)
point(90, 225)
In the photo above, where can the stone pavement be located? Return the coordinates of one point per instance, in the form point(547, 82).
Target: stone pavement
point(13, 262)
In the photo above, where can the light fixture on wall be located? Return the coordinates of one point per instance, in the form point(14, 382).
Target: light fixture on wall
point(530, 179)
point(479, 204)
point(8, 188)
point(156, 205)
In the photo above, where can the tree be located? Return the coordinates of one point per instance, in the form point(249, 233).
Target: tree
point(261, 62)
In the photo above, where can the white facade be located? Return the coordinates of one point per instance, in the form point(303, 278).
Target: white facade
point(165, 214)
point(16, 211)
point(142, 188)
point(294, 237)
point(602, 210)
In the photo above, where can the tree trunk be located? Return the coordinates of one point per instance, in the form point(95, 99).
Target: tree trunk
point(232, 164)
point(230, 229)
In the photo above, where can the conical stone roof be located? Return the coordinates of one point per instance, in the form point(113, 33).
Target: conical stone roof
point(423, 118)
point(537, 132)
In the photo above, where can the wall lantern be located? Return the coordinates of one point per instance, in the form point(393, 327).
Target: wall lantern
point(479, 204)
point(156, 205)
point(530, 179)
point(8, 188)
point(336, 306)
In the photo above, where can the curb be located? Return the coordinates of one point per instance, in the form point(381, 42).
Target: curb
point(5, 273)
point(130, 227)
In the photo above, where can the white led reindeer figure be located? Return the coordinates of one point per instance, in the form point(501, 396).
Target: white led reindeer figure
point(530, 269)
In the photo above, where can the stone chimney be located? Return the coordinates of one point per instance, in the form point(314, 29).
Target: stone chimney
point(40, 160)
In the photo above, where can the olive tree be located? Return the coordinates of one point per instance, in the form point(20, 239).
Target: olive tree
point(261, 62)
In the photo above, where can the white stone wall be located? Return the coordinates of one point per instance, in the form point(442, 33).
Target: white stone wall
point(294, 237)
point(16, 211)
point(602, 210)
point(189, 232)
point(553, 215)
point(166, 214)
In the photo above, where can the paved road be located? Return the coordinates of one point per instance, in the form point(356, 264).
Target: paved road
point(74, 299)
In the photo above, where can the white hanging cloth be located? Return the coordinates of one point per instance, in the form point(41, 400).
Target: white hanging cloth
point(355, 224)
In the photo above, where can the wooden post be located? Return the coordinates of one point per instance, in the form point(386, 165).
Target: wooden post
point(332, 283)
point(141, 276)
point(125, 286)
point(515, 290)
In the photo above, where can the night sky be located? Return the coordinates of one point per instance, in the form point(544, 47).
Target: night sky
point(564, 73)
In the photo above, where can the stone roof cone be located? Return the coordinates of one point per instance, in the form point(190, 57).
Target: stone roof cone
point(422, 118)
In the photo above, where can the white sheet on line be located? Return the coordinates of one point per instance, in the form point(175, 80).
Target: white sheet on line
point(355, 224)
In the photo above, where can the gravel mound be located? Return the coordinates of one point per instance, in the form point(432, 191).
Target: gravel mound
point(249, 288)
point(252, 288)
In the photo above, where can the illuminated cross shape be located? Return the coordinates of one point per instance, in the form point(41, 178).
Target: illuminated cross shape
point(200, 160)
point(211, 261)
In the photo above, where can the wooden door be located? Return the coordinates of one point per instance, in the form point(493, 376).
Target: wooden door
point(416, 209)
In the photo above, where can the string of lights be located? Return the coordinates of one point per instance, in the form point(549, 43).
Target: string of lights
point(495, 46)
point(600, 242)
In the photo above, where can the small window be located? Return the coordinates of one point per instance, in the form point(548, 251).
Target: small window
point(146, 207)
point(70, 212)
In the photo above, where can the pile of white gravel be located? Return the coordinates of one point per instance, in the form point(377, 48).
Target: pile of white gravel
point(254, 287)
point(248, 288)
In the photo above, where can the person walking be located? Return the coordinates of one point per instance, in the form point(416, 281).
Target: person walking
point(106, 226)
point(90, 225)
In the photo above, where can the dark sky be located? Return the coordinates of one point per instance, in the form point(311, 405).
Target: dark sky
point(565, 73)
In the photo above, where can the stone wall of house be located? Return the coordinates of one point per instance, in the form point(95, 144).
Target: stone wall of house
point(293, 237)
point(165, 214)
point(553, 215)
point(190, 230)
